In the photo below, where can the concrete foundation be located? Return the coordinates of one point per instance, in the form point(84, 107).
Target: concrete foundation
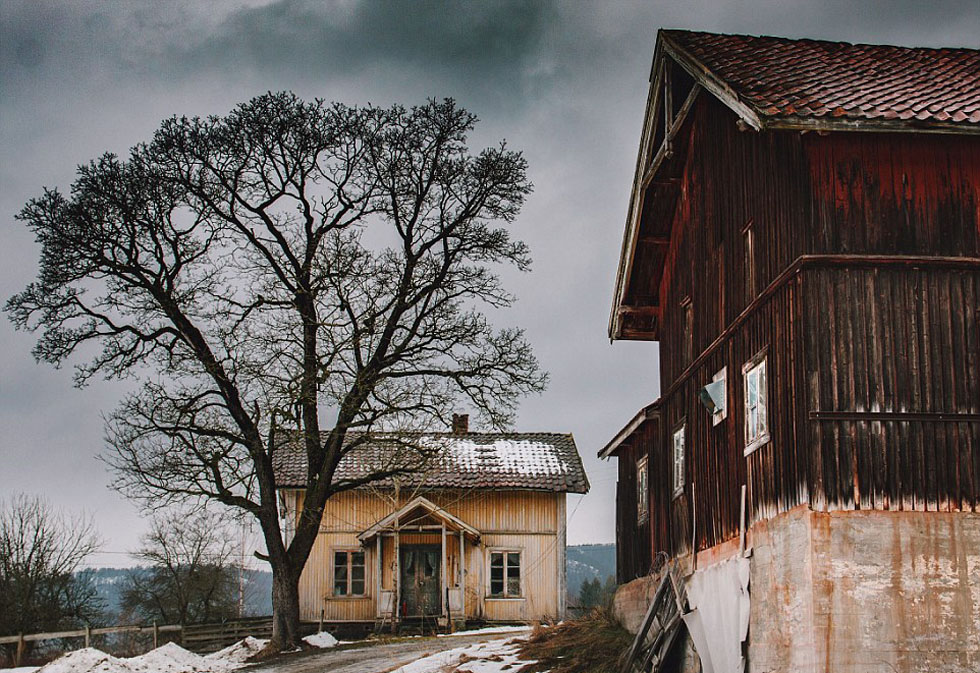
point(854, 592)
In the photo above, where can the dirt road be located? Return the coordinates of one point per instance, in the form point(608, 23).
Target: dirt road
point(373, 659)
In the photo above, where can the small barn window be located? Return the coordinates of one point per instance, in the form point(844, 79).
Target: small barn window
point(756, 411)
point(679, 451)
point(348, 573)
point(505, 574)
point(642, 490)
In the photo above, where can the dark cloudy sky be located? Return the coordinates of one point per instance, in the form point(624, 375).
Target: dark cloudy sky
point(563, 81)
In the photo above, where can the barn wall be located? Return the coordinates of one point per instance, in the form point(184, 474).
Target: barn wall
point(893, 386)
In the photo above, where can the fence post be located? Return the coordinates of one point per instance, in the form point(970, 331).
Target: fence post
point(88, 635)
point(320, 627)
point(19, 654)
point(156, 634)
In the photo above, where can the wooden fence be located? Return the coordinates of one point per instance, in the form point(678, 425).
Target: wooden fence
point(200, 638)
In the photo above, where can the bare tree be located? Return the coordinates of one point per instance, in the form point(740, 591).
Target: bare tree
point(292, 265)
point(189, 576)
point(41, 550)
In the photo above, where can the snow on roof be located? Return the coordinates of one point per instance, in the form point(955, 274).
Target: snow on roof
point(533, 460)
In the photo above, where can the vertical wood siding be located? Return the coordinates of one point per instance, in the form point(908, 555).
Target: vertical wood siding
point(859, 338)
point(524, 520)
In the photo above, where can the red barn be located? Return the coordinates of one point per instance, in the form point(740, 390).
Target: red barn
point(803, 240)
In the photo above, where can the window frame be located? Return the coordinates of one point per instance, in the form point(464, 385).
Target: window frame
point(506, 595)
point(717, 417)
point(757, 363)
point(681, 429)
point(687, 309)
point(642, 494)
point(349, 552)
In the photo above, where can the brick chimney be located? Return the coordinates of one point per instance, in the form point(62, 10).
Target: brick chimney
point(461, 424)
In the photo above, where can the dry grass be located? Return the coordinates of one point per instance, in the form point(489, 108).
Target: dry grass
point(591, 644)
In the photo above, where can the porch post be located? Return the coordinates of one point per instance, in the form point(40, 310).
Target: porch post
point(462, 575)
point(397, 580)
point(379, 610)
point(442, 574)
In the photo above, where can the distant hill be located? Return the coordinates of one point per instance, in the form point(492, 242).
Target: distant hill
point(586, 562)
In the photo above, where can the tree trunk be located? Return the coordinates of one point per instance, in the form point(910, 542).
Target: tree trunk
point(285, 610)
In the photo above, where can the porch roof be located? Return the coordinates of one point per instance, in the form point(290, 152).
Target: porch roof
point(431, 509)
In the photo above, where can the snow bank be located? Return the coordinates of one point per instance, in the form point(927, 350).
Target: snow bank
point(87, 660)
point(321, 640)
point(169, 658)
point(238, 653)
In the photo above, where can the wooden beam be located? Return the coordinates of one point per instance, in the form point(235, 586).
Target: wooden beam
point(653, 311)
point(665, 152)
point(712, 83)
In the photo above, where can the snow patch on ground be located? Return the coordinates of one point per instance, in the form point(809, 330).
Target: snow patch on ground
point(496, 656)
point(321, 640)
point(488, 629)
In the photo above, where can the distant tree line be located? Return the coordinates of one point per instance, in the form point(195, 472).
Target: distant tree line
point(187, 574)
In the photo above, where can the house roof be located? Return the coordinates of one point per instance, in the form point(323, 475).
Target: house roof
point(789, 83)
point(540, 461)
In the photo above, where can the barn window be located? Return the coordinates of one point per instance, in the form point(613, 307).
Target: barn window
point(642, 490)
point(348, 573)
point(756, 412)
point(505, 574)
point(679, 459)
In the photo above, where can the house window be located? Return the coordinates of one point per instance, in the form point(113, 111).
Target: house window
point(642, 486)
point(756, 412)
point(679, 459)
point(348, 573)
point(505, 574)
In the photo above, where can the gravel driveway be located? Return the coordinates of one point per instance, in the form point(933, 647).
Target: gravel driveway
point(372, 659)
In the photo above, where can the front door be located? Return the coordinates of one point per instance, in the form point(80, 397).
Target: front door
point(420, 580)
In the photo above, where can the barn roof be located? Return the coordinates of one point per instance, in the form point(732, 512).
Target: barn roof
point(540, 461)
point(787, 82)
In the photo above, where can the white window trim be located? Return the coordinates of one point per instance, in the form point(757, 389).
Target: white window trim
point(333, 577)
point(505, 550)
point(642, 508)
point(682, 429)
point(758, 360)
point(718, 416)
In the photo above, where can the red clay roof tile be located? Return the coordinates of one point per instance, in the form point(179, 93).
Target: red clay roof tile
point(785, 78)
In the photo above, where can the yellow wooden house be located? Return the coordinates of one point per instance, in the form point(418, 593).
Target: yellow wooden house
point(477, 535)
